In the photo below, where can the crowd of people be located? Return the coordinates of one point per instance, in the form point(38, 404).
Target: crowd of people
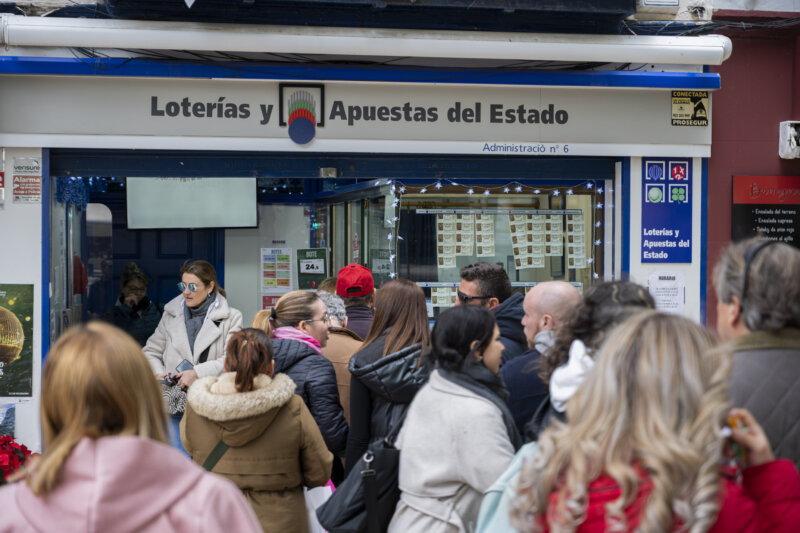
point(642, 421)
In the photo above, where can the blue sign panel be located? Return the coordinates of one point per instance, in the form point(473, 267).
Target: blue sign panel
point(666, 211)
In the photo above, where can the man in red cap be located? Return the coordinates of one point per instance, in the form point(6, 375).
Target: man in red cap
point(356, 287)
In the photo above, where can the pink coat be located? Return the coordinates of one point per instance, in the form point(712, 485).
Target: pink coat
point(127, 484)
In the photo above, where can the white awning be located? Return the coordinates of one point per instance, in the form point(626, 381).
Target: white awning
point(19, 31)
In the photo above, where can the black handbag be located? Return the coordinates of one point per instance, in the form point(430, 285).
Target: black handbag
point(366, 499)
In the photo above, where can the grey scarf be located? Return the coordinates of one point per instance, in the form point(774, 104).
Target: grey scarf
point(194, 317)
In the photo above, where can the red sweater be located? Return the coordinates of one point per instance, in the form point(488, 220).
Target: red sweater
point(767, 500)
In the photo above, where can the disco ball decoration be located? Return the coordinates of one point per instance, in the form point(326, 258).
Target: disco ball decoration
point(11, 336)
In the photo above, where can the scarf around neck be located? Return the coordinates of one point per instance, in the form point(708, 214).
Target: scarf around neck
point(193, 317)
point(479, 380)
point(288, 332)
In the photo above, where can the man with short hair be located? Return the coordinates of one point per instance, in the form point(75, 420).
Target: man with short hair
point(354, 284)
point(758, 310)
point(547, 306)
point(487, 284)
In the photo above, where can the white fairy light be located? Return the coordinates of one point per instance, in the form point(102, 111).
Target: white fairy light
point(392, 257)
point(423, 190)
point(518, 188)
point(599, 190)
point(597, 242)
point(555, 192)
point(569, 191)
point(595, 275)
point(486, 192)
point(599, 205)
point(589, 260)
point(389, 237)
point(506, 189)
point(470, 191)
point(392, 275)
point(402, 189)
point(589, 185)
point(597, 224)
point(536, 191)
point(438, 184)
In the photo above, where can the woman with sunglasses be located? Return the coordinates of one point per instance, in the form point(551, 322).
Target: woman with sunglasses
point(194, 330)
point(298, 325)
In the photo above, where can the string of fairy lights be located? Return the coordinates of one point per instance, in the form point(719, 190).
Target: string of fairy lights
point(398, 189)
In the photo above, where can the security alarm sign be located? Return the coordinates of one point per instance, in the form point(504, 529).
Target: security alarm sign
point(690, 108)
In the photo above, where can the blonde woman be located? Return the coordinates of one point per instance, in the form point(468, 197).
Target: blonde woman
point(106, 465)
point(298, 325)
point(644, 445)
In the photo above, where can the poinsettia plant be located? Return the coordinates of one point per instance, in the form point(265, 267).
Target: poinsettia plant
point(12, 457)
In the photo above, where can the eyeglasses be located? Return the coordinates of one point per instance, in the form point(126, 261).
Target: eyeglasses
point(183, 286)
point(464, 298)
point(325, 318)
point(136, 289)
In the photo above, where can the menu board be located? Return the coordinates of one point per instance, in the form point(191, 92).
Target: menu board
point(768, 206)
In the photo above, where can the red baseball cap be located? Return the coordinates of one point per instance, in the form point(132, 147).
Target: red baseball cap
point(353, 281)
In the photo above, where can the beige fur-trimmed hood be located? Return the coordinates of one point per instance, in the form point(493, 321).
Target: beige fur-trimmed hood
point(215, 397)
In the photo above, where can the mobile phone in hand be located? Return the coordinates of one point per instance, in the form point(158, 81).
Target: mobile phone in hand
point(183, 366)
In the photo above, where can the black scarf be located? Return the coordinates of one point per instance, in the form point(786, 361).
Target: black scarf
point(193, 317)
point(480, 380)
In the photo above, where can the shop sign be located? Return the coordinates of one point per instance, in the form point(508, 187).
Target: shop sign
point(768, 206)
point(195, 114)
point(666, 211)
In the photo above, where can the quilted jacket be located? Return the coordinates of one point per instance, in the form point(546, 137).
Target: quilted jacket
point(315, 381)
point(766, 382)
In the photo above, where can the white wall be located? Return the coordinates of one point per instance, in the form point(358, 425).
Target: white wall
point(639, 272)
point(279, 226)
point(21, 263)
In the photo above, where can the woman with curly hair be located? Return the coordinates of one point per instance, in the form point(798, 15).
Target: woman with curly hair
point(569, 361)
point(643, 449)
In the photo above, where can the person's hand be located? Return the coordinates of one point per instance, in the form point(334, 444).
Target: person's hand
point(752, 437)
point(161, 377)
point(131, 300)
point(186, 378)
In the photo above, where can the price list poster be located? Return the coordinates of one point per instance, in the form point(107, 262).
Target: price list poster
point(276, 274)
point(768, 206)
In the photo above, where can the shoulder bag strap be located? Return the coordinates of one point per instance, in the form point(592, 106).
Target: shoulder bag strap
point(204, 355)
point(215, 455)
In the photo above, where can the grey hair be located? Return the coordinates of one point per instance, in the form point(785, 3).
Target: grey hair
point(772, 301)
point(335, 305)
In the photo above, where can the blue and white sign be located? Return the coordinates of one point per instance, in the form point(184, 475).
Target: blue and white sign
point(666, 211)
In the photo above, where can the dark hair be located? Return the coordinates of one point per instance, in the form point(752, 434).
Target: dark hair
point(205, 271)
point(399, 307)
point(358, 301)
point(133, 272)
point(249, 354)
point(455, 331)
point(491, 278)
point(603, 307)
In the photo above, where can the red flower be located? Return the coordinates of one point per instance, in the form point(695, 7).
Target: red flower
point(12, 456)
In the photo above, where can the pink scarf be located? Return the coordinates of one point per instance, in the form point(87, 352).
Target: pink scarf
point(288, 332)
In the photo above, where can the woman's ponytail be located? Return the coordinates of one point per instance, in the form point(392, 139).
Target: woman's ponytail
point(249, 354)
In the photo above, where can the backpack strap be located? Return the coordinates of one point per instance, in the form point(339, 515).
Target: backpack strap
point(215, 455)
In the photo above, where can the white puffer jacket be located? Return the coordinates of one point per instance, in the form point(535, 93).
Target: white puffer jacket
point(169, 345)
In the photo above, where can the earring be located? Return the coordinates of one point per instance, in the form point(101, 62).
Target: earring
point(480, 359)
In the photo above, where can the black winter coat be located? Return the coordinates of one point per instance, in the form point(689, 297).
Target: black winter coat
point(315, 382)
point(139, 322)
point(509, 321)
point(391, 383)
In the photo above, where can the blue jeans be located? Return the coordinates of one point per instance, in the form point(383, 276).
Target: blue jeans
point(174, 430)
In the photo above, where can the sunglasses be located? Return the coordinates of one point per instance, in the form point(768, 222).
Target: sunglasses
point(182, 286)
point(463, 298)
